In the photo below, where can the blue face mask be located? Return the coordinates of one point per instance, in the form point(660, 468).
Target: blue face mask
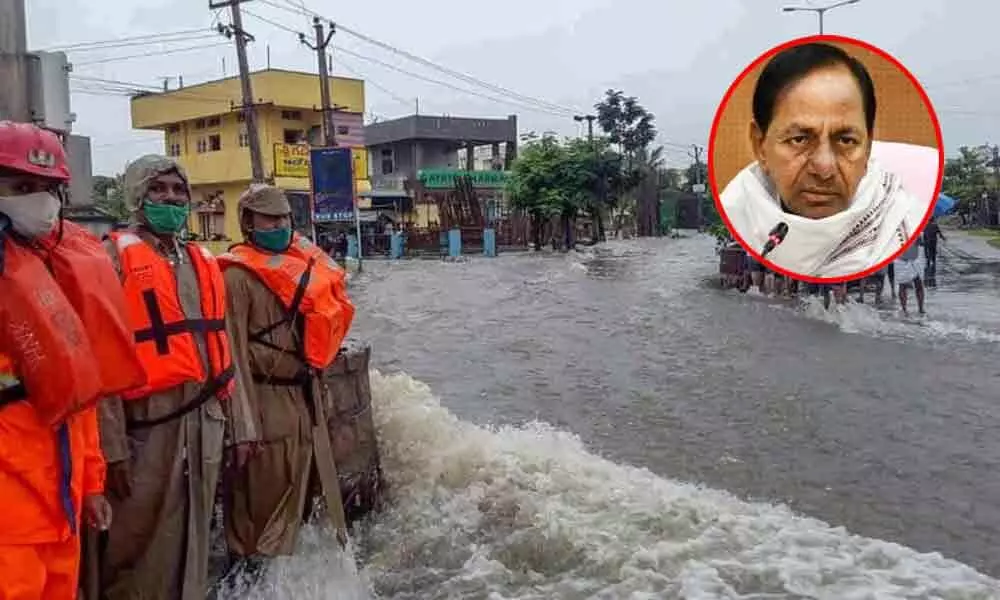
point(272, 240)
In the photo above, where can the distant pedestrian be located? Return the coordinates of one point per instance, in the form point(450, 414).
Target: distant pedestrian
point(910, 274)
point(931, 234)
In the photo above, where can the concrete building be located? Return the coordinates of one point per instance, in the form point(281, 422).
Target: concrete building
point(203, 128)
point(413, 154)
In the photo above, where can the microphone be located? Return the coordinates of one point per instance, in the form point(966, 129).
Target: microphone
point(774, 238)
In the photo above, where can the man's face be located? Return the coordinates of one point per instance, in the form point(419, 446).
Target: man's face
point(168, 188)
point(268, 222)
point(816, 148)
point(22, 185)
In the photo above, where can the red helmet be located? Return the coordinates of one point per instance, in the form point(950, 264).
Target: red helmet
point(32, 150)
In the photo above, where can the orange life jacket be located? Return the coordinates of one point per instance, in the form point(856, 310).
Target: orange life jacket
point(163, 334)
point(48, 358)
point(307, 287)
point(87, 276)
point(305, 249)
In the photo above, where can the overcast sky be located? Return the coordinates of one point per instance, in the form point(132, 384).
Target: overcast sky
point(677, 56)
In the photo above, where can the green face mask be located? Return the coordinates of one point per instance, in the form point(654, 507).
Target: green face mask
point(273, 240)
point(165, 218)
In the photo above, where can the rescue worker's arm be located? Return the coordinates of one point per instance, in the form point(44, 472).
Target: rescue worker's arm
point(242, 413)
point(111, 423)
point(113, 439)
point(96, 510)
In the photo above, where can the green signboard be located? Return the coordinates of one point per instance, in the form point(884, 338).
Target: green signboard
point(445, 178)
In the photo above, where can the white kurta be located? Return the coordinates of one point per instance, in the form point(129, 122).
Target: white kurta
point(881, 218)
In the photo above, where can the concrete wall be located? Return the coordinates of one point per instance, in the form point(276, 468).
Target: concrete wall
point(81, 186)
point(232, 161)
point(410, 156)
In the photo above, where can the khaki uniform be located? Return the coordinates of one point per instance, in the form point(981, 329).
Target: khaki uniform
point(266, 502)
point(158, 544)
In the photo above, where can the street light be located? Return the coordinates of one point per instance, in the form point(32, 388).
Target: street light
point(819, 10)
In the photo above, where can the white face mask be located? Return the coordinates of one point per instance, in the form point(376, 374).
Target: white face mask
point(31, 215)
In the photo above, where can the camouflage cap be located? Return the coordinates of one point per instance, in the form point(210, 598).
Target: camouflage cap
point(266, 200)
point(142, 171)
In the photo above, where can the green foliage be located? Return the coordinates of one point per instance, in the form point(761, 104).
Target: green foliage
point(109, 195)
point(553, 177)
point(696, 173)
point(721, 233)
point(966, 176)
point(626, 122)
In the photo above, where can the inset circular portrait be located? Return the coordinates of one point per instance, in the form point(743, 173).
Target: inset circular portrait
point(825, 159)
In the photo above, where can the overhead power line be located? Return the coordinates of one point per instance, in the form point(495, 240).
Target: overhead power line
point(549, 106)
point(343, 63)
point(186, 38)
point(510, 102)
point(147, 36)
point(500, 100)
point(157, 53)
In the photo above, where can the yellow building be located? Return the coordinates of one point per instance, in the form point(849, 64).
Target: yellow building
point(203, 128)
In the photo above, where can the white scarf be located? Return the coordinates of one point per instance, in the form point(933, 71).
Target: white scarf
point(881, 218)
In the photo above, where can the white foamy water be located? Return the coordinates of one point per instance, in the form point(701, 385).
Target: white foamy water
point(866, 319)
point(529, 513)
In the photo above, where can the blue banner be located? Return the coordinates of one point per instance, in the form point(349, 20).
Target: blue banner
point(332, 174)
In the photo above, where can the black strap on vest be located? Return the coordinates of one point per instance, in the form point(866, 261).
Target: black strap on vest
point(291, 314)
point(207, 392)
point(160, 331)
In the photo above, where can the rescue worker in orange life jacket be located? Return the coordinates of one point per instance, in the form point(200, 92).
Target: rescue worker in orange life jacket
point(51, 468)
point(165, 443)
point(289, 312)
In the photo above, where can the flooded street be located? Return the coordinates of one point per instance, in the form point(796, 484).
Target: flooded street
point(882, 430)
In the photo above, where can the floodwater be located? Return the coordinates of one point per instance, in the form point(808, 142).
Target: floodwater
point(609, 424)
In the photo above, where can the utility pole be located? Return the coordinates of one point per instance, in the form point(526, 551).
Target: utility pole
point(249, 114)
point(602, 181)
point(322, 41)
point(15, 102)
point(697, 181)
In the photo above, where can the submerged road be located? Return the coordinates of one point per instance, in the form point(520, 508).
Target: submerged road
point(884, 427)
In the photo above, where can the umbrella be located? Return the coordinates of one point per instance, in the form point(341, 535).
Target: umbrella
point(944, 205)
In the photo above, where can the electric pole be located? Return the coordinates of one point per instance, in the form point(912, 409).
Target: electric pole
point(249, 114)
point(322, 41)
point(15, 102)
point(700, 190)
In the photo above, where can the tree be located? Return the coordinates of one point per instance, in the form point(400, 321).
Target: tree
point(695, 173)
point(109, 195)
point(630, 127)
point(625, 121)
point(966, 176)
point(548, 180)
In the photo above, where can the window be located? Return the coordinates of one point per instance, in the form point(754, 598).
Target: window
point(214, 122)
point(205, 225)
point(214, 143)
point(293, 136)
point(387, 162)
point(244, 139)
point(343, 129)
point(202, 145)
point(174, 150)
point(199, 124)
point(175, 128)
point(291, 115)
